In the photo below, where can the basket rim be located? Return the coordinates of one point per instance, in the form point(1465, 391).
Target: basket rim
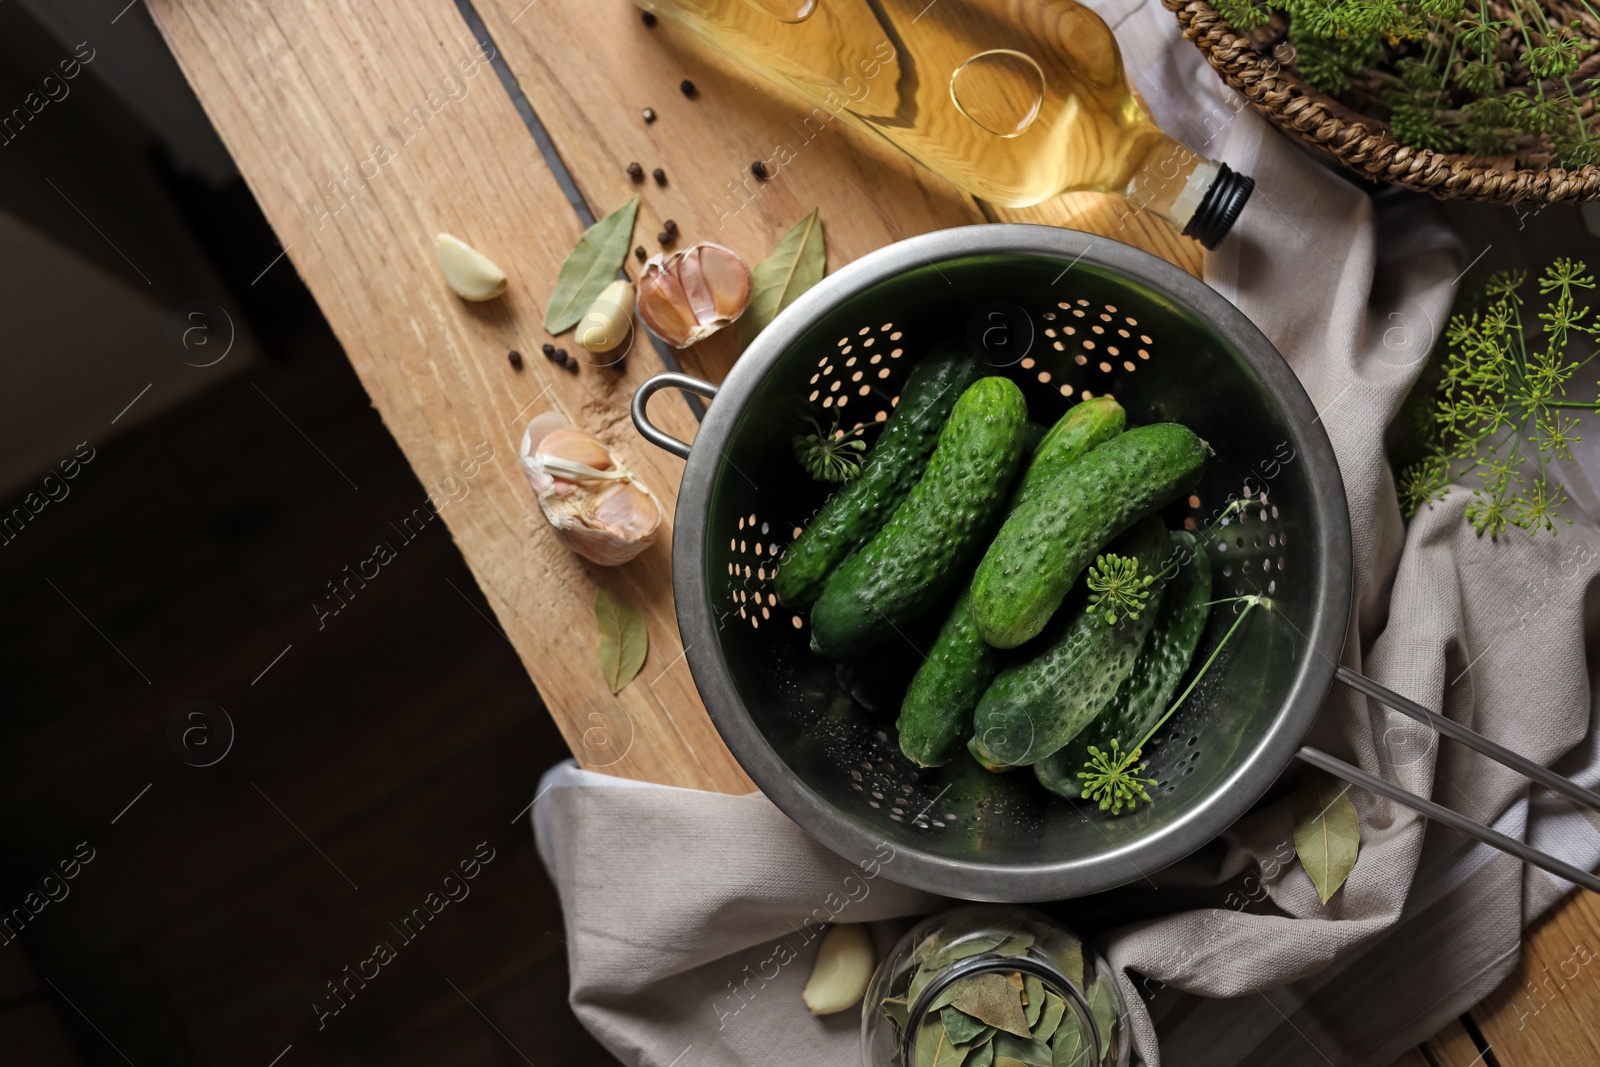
point(1311, 117)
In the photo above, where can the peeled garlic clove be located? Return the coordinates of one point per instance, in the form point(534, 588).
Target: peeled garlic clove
point(596, 507)
point(843, 968)
point(609, 319)
point(473, 275)
point(690, 295)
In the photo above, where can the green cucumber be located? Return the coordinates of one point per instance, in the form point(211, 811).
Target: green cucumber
point(1037, 705)
point(931, 539)
point(1086, 425)
point(861, 507)
point(937, 711)
point(1049, 539)
point(1148, 691)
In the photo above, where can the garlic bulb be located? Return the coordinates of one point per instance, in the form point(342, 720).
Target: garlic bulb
point(690, 295)
point(596, 507)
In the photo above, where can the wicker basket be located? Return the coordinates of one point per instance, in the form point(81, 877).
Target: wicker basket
point(1362, 144)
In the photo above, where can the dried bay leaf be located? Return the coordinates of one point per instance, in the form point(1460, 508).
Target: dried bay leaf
point(962, 1028)
point(1032, 999)
point(934, 1047)
point(1050, 1017)
point(796, 264)
point(1007, 1061)
point(967, 946)
point(624, 641)
point(991, 998)
point(1070, 963)
point(1103, 1006)
point(1015, 945)
point(589, 268)
point(980, 1055)
point(1071, 1046)
point(1327, 832)
point(1024, 1050)
point(1015, 978)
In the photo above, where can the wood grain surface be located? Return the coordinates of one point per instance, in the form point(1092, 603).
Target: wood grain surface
point(364, 131)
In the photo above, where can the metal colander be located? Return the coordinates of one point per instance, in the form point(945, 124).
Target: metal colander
point(1066, 315)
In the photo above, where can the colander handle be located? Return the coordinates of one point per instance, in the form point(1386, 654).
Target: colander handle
point(1437, 812)
point(641, 418)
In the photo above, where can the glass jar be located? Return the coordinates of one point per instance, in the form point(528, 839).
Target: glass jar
point(970, 986)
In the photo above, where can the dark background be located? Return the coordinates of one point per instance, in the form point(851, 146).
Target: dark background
point(377, 752)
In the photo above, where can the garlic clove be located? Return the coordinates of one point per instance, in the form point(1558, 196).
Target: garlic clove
point(630, 511)
point(473, 275)
point(609, 319)
point(578, 447)
point(842, 969)
point(690, 295)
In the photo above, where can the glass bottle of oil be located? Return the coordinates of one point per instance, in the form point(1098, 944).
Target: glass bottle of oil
point(1014, 101)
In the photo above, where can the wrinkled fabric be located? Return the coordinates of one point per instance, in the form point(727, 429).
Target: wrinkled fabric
point(687, 912)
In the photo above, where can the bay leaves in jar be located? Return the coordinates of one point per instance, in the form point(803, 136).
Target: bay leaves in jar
point(1055, 1009)
point(934, 1047)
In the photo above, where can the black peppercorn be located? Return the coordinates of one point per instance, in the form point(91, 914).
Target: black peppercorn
point(549, 351)
point(561, 357)
point(664, 237)
point(647, 17)
point(670, 226)
point(516, 358)
point(686, 87)
point(649, 114)
point(759, 169)
point(639, 253)
point(636, 172)
point(659, 175)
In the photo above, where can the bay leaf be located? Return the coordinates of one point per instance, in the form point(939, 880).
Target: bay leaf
point(624, 641)
point(1103, 1006)
point(896, 1009)
point(795, 264)
point(590, 267)
point(961, 1027)
point(1327, 832)
point(1050, 1017)
point(1024, 1049)
point(991, 998)
point(1032, 999)
point(971, 945)
point(1070, 963)
point(1015, 945)
point(1007, 1061)
point(934, 1047)
point(981, 1054)
point(1015, 978)
point(1070, 1047)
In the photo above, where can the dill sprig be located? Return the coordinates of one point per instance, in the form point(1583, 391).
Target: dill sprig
point(831, 455)
point(1499, 413)
point(1116, 587)
point(1111, 778)
point(1447, 74)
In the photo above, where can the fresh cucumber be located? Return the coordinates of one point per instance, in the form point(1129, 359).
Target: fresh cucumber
point(937, 711)
point(931, 539)
point(1037, 705)
point(860, 508)
point(1147, 693)
point(1086, 425)
point(1050, 537)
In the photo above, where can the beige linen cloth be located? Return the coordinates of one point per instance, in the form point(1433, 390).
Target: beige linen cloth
point(686, 912)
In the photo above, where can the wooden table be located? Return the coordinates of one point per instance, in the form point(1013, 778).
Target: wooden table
point(364, 130)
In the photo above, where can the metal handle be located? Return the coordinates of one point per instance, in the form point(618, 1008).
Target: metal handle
point(641, 419)
point(1439, 813)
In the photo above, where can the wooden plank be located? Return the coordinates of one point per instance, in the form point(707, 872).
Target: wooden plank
point(303, 94)
point(1548, 1009)
point(1454, 1047)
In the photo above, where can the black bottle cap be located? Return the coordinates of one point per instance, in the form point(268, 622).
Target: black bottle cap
point(1220, 207)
